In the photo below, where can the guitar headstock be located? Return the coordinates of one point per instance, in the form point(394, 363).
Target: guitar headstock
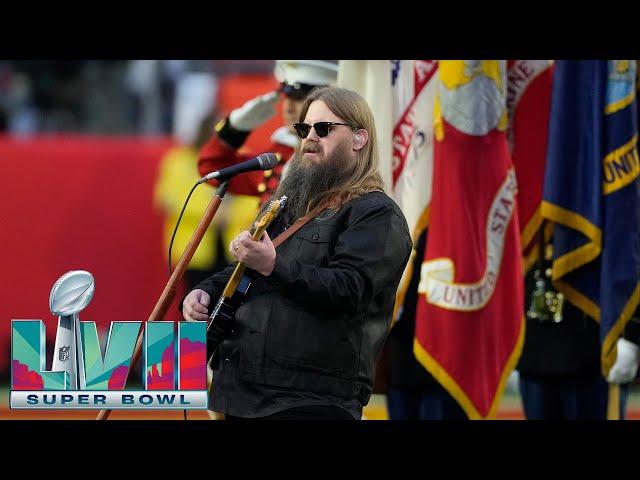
point(272, 210)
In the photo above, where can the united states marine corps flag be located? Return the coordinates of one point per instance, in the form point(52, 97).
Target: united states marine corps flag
point(469, 324)
point(592, 192)
point(528, 105)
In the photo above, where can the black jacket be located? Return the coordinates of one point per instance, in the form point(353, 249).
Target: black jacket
point(318, 322)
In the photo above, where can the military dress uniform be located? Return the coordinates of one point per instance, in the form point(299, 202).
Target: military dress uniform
point(559, 370)
point(225, 149)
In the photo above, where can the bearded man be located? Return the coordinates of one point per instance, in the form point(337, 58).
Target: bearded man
point(306, 339)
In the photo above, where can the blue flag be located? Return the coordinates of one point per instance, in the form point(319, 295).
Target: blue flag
point(592, 192)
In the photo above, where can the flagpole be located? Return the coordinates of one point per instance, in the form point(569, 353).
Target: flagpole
point(613, 403)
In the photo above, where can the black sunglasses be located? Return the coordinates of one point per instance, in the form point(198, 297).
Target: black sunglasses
point(321, 128)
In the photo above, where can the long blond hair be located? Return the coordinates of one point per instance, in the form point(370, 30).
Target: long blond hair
point(353, 109)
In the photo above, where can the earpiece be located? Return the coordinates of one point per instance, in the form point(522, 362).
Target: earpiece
point(359, 140)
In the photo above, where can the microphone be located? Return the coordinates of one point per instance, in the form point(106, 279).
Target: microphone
point(265, 161)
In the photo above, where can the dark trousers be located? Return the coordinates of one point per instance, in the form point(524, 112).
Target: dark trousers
point(315, 412)
point(430, 403)
point(567, 399)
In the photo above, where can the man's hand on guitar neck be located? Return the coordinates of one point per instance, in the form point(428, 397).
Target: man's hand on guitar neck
point(256, 255)
point(194, 306)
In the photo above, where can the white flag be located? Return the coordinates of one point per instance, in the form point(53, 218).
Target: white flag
point(372, 80)
point(401, 95)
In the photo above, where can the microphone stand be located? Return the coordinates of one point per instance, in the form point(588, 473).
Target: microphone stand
point(170, 289)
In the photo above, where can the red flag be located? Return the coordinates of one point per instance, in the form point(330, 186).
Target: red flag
point(529, 104)
point(469, 324)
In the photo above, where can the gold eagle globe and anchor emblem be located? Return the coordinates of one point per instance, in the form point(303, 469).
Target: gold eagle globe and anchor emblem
point(546, 302)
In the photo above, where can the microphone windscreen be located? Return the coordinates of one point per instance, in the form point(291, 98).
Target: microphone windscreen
point(268, 160)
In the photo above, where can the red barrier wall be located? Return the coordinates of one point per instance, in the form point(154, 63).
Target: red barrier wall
point(79, 203)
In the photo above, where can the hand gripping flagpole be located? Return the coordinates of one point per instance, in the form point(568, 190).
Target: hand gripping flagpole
point(170, 289)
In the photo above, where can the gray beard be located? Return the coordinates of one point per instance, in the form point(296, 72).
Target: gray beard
point(305, 180)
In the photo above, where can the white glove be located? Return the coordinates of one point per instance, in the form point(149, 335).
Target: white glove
point(626, 366)
point(254, 112)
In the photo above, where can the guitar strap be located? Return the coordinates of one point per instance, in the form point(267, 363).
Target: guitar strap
point(298, 224)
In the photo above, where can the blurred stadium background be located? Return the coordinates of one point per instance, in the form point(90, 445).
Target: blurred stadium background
point(81, 151)
point(81, 144)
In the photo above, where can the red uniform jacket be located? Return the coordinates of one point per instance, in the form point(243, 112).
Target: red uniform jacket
point(224, 149)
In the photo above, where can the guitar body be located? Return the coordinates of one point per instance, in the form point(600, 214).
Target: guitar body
point(221, 319)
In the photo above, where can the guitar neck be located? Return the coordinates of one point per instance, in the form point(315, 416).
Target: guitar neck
point(236, 276)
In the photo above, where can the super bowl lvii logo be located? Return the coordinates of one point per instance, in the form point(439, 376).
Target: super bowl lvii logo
point(81, 377)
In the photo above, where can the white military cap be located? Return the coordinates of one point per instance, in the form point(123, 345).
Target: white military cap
point(300, 76)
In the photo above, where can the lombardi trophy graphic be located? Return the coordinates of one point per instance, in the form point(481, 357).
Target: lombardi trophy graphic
point(69, 296)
